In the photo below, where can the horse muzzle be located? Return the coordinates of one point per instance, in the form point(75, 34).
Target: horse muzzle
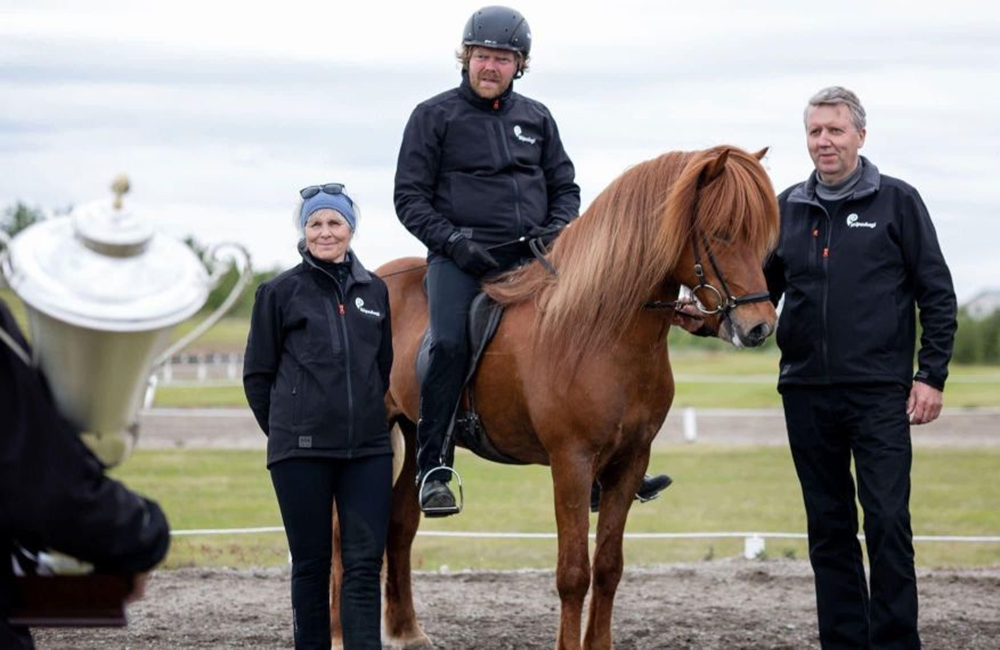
point(744, 337)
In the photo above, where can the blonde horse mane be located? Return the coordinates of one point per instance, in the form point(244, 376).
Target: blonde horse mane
point(613, 258)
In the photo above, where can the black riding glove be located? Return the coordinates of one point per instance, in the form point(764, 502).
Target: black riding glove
point(469, 256)
point(547, 232)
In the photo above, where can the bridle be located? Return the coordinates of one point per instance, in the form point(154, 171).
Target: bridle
point(727, 302)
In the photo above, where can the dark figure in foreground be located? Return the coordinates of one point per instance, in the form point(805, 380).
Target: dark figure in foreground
point(53, 491)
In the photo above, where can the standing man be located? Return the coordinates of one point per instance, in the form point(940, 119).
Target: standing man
point(857, 253)
point(479, 167)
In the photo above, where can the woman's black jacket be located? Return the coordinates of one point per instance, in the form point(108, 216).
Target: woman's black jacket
point(317, 362)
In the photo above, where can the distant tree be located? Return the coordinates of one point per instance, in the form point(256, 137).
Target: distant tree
point(18, 217)
point(991, 338)
point(978, 339)
point(967, 344)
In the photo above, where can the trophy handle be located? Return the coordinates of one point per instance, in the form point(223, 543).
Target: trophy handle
point(218, 270)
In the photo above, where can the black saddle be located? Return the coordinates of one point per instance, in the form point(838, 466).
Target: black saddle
point(466, 427)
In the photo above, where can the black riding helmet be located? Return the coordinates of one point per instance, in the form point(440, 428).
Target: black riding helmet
point(499, 27)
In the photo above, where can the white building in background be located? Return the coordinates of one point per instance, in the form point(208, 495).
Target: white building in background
point(985, 304)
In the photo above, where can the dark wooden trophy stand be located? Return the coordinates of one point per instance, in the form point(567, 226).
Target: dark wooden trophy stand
point(94, 600)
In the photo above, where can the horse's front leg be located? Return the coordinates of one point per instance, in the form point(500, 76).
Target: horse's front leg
point(572, 476)
point(619, 483)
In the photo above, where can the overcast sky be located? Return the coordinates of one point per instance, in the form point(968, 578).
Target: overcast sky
point(220, 111)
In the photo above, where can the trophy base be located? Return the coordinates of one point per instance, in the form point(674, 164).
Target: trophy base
point(94, 600)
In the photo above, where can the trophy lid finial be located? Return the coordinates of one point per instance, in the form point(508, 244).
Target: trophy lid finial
point(120, 187)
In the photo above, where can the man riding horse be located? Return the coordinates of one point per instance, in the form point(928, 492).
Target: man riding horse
point(481, 171)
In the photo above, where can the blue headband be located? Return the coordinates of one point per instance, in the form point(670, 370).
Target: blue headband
point(339, 202)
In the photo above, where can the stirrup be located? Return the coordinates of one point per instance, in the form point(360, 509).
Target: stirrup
point(442, 512)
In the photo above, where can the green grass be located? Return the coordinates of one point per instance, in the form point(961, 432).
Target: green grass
point(716, 489)
point(747, 379)
point(203, 396)
point(228, 335)
point(732, 379)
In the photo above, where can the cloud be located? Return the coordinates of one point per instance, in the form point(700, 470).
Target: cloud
point(220, 113)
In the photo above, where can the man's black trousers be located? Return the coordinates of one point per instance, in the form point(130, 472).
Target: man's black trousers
point(827, 426)
point(362, 489)
point(450, 292)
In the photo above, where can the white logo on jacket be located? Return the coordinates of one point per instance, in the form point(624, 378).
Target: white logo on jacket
point(523, 138)
point(360, 304)
point(852, 222)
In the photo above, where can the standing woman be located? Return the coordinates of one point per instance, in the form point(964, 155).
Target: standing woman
point(315, 374)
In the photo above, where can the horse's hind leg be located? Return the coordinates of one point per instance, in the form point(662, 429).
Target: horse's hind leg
point(336, 578)
point(400, 629)
point(619, 483)
point(571, 477)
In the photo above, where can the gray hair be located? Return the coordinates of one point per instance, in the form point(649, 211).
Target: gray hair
point(838, 95)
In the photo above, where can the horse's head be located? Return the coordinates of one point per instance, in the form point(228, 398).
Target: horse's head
point(636, 242)
point(732, 219)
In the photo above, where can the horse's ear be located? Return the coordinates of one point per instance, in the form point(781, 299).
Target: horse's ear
point(760, 154)
point(714, 168)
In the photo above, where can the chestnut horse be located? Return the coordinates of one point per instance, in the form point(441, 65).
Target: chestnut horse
point(578, 377)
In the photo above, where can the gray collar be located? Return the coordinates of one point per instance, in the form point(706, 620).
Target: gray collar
point(867, 184)
point(841, 190)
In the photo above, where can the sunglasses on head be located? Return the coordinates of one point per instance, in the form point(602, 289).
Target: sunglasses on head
point(330, 188)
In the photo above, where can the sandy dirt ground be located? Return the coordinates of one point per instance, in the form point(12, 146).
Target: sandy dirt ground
point(725, 604)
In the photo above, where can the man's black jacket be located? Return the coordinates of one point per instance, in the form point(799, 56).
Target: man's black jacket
point(493, 168)
point(317, 362)
point(53, 491)
point(851, 281)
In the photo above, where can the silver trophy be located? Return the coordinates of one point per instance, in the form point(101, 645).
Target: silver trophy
point(103, 292)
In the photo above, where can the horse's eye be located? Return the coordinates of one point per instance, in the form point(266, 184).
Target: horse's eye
point(725, 241)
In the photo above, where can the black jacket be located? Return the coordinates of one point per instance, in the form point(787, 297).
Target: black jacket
point(851, 281)
point(495, 169)
point(317, 363)
point(53, 491)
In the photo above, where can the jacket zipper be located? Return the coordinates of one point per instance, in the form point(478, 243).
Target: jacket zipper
point(297, 403)
point(509, 160)
point(826, 292)
point(342, 313)
point(350, 389)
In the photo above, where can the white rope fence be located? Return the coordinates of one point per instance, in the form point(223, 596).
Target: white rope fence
point(753, 542)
